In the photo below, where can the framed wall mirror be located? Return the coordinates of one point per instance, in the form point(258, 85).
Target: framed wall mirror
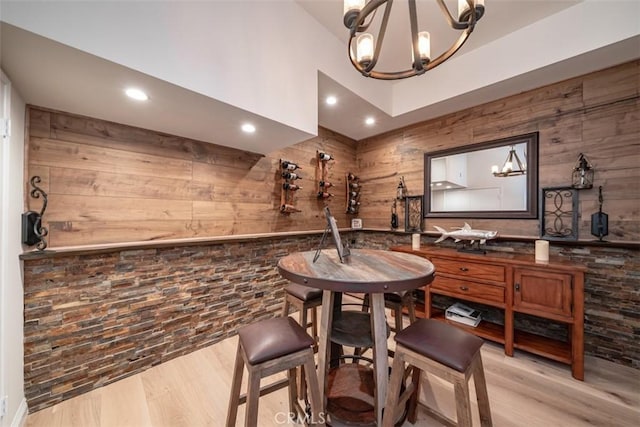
point(494, 179)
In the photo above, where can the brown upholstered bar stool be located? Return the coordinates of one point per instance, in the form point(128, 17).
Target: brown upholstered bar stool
point(266, 348)
point(396, 303)
point(447, 352)
point(304, 299)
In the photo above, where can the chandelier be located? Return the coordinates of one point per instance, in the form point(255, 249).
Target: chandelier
point(364, 51)
point(512, 166)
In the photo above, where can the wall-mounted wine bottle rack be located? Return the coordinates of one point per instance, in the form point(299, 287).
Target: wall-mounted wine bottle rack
point(353, 194)
point(322, 175)
point(290, 176)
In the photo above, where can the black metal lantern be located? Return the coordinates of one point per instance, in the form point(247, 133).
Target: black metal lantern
point(582, 174)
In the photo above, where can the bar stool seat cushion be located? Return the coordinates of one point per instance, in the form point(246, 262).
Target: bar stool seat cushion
point(304, 293)
point(272, 338)
point(443, 343)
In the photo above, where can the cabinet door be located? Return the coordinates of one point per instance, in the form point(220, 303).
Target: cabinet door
point(542, 293)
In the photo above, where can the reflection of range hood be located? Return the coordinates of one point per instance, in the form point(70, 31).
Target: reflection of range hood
point(445, 185)
point(449, 172)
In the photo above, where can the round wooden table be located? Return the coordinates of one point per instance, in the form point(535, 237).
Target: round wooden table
point(374, 272)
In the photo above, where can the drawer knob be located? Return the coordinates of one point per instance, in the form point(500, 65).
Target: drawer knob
point(464, 288)
point(464, 269)
point(517, 287)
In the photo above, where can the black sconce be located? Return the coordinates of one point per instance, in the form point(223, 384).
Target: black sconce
point(33, 232)
point(582, 174)
point(600, 220)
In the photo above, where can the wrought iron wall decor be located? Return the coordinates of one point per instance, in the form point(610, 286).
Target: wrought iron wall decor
point(559, 213)
point(600, 220)
point(413, 213)
point(33, 233)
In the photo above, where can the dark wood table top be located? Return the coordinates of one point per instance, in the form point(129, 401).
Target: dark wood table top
point(365, 270)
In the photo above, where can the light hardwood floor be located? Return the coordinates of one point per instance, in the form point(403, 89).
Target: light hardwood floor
point(193, 391)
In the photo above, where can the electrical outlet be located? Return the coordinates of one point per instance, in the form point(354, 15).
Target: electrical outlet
point(3, 406)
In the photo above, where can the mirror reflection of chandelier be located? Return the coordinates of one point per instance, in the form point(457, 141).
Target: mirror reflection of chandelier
point(512, 166)
point(364, 50)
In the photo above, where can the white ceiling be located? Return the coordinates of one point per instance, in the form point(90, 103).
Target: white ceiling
point(210, 66)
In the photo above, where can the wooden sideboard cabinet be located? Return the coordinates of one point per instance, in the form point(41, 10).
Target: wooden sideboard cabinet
point(513, 283)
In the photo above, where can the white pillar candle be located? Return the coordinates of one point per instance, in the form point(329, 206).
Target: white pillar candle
point(415, 242)
point(542, 250)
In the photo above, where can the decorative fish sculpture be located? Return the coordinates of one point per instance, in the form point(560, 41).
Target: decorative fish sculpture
point(466, 233)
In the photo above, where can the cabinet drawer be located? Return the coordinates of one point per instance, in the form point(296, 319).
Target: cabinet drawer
point(478, 291)
point(472, 270)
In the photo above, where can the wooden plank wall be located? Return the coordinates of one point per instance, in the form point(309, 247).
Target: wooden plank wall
point(111, 183)
point(597, 114)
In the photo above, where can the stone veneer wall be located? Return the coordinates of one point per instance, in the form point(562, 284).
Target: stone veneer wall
point(95, 318)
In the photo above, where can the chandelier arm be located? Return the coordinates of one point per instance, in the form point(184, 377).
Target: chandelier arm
point(369, 8)
point(413, 21)
point(520, 166)
point(452, 50)
point(509, 158)
point(381, 32)
point(364, 26)
point(453, 23)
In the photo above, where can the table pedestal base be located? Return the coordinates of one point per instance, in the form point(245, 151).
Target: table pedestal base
point(350, 398)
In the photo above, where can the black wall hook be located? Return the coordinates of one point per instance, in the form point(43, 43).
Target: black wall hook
point(33, 232)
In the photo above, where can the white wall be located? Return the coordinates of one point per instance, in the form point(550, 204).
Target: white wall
point(238, 52)
point(11, 283)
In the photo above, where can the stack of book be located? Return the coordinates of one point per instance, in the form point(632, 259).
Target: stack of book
point(459, 312)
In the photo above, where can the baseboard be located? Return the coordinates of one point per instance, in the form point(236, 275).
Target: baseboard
point(21, 414)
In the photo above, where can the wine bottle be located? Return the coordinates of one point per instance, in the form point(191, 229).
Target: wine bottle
point(323, 194)
point(289, 209)
point(290, 175)
point(325, 184)
point(290, 166)
point(352, 177)
point(352, 209)
point(292, 187)
point(354, 185)
point(325, 156)
point(354, 202)
point(353, 194)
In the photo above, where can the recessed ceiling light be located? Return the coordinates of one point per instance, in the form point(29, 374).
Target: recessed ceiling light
point(370, 121)
point(248, 128)
point(331, 100)
point(136, 94)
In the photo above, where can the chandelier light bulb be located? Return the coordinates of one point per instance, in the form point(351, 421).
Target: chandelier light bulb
point(424, 46)
point(508, 167)
point(495, 169)
point(355, 5)
point(364, 49)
